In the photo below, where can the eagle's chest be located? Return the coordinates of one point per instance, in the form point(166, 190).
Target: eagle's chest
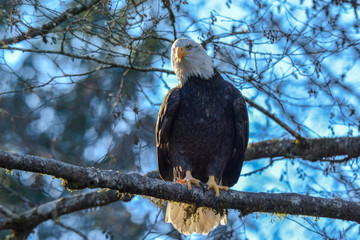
point(203, 105)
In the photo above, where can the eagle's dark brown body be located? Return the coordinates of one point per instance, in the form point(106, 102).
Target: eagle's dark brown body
point(202, 127)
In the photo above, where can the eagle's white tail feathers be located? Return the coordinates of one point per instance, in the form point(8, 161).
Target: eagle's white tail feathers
point(202, 222)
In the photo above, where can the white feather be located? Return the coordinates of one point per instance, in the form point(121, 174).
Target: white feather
point(196, 63)
point(223, 220)
point(202, 222)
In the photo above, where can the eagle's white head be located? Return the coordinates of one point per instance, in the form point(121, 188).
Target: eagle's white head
point(189, 59)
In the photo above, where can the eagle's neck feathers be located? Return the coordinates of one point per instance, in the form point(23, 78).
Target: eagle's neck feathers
point(202, 68)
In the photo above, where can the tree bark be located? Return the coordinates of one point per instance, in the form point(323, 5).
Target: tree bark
point(245, 202)
point(313, 149)
point(24, 223)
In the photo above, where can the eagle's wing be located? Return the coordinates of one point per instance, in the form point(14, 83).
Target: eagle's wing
point(167, 112)
point(241, 120)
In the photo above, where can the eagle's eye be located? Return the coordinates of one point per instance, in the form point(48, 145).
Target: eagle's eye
point(188, 47)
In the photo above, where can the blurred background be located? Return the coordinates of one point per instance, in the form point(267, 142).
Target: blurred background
point(87, 88)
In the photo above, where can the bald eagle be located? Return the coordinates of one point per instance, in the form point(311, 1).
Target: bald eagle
point(202, 133)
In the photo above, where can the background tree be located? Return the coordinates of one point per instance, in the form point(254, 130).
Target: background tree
point(82, 81)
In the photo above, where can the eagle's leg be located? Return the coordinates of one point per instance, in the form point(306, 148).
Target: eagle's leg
point(188, 180)
point(211, 184)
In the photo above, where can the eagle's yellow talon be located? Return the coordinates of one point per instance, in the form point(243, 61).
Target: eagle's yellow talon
point(211, 184)
point(188, 180)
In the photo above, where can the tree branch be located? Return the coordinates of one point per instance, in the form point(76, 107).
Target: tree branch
point(318, 149)
point(23, 224)
point(153, 69)
point(167, 4)
point(86, 57)
point(7, 212)
point(71, 229)
point(273, 117)
point(246, 202)
point(47, 27)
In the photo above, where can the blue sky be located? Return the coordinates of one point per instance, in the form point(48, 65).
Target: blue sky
point(268, 181)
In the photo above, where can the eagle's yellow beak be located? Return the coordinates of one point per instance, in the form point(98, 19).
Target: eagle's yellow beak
point(180, 52)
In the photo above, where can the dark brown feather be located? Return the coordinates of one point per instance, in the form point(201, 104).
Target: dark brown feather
point(202, 127)
point(163, 131)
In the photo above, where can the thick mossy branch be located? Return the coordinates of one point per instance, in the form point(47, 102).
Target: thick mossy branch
point(246, 202)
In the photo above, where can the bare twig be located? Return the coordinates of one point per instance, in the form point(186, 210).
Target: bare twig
point(85, 57)
point(167, 4)
point(71, 229)
point(7, 212)
point(17, 195)
point(276, 119)
point(47, 27)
